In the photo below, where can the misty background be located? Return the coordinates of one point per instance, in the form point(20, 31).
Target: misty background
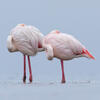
point(80, 18)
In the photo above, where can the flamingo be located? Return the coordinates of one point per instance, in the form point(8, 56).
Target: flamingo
point(64, 47)
point(27, 40)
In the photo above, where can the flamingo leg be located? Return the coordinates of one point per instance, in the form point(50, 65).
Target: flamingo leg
point(30, 71)
point(24, 76)
point(63, 76)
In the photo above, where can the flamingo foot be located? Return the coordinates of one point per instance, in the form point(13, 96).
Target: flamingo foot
point(24, 79)
point(30, 79)
point(63, 81)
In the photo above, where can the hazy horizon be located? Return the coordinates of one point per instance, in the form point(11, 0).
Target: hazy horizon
point(79, 18)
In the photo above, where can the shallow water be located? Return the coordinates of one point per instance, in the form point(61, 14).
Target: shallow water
point(72, 90)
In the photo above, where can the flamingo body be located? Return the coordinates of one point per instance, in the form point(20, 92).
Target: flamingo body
point(27, 40)
point(24, 39)
point(64, 47)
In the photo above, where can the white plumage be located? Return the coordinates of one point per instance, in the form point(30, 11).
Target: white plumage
point(64, 47)
point(27, 40)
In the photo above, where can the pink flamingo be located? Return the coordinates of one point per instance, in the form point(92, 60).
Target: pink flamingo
point(64, 47)
point(26, 39)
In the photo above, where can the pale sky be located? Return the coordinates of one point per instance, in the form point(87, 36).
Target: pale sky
point(80, 18)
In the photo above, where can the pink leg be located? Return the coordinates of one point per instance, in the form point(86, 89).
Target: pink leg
point(24, 77)
point(30, 71)
point(63, 76)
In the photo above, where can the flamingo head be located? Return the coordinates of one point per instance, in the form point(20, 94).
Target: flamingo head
point(86, 53)
point(11, 47)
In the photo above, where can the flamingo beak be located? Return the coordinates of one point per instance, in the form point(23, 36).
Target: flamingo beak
point(87, 54)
